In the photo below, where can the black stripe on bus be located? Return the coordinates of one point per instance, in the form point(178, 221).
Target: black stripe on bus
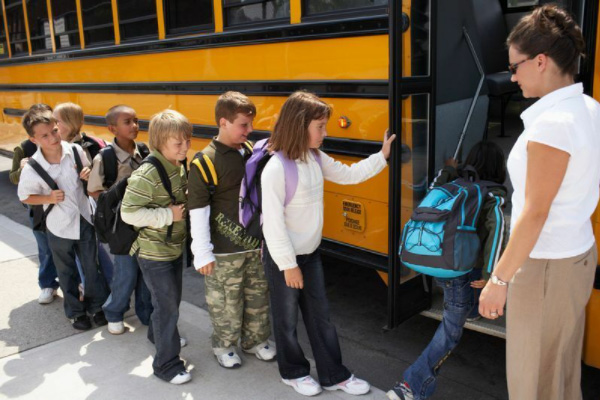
point(372, 89)
point(342, 146)
point(364, 26)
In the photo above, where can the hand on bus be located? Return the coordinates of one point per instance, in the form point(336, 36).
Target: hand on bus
point(56, 196)
point(480, 284)
point(24, 161)
point(387, 144)
point(293, 278)
point(85, 173)
point(492, 301)
point(178, 211)
point(207, 269)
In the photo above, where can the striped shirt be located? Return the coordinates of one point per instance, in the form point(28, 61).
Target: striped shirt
point(145, 205)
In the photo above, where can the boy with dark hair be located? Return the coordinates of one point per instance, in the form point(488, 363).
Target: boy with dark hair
point(236, 287)
point(120, 159)
point(68, 215)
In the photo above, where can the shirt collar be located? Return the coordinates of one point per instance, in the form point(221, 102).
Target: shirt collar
point(222, 148)
point(549, 101)
point(67, 150)
point(123, 155)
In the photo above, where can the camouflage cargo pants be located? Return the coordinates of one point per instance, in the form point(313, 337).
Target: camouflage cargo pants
point(238, 301)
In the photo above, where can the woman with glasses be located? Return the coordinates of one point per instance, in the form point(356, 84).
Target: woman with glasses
point(547, 269)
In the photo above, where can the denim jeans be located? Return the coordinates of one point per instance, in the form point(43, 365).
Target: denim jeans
point(126, 278)
point(313, 304)
point(458, 303)
point(164, 280)
point(47, 274)
point(63, 253)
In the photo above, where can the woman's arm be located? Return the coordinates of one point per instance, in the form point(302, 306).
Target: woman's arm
point(546, 169)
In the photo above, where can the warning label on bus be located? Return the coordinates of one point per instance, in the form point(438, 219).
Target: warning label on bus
point(354, 215)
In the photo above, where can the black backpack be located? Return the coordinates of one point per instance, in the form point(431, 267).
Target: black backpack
point(110, 228)
point(111, 163)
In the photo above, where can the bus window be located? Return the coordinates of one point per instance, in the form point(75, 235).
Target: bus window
point(3, 49)
point(522, 3)
point(416, 39)
point(97, 22)
point(16, 27)
point(39, 26)
point(137, 19)
point(238, 13)
point(182, 16)
point(312, 7)
point(66, 26)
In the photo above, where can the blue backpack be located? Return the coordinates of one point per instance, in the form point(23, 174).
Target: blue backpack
point(440, 239)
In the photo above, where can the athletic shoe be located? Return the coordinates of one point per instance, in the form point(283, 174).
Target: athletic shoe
point(229, 360)
point(401, 391)
point(47, 296)
point(116, 328)
point(100, 319)
point(182, 341)
point(353, 385)
point(82, 323)
point(474, 318)
point(306, 385)
point(181, 377)
point(263, 351)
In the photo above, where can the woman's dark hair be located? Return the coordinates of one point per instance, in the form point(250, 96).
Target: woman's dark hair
point(488, 160)
point(549, 30)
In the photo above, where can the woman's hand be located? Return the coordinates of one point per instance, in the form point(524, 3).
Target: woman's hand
point(387, 144)
point(294, 278)
point(492, 301)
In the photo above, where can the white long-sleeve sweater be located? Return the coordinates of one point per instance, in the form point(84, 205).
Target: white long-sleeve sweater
point(297, 229)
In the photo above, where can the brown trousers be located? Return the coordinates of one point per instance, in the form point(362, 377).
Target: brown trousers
point(545, 321)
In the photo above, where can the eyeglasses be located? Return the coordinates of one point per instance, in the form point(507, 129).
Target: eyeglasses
point(512, 68)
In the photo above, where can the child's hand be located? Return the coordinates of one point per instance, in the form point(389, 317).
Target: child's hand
point(387, 144)
point(451, 162)
point(207, 269)
point(178, 211)
point(479, 284)
point(24, 161)
point(57, 196)
point(85, 173)
point(293, 278)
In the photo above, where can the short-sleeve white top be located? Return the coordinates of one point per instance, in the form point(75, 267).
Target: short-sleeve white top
point(568, 120)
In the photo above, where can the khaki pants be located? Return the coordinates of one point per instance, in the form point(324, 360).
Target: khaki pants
point(544, 327)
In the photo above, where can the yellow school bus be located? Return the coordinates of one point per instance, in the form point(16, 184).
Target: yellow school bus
point(424, 68)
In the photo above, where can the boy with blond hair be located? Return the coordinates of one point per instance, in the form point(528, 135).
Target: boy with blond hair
point(157, 207)
point(236, 287)
point(113, 164)
point(50, 178)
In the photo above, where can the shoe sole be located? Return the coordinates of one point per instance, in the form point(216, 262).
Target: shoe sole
point(333, 389)
point(392, 395)
point(116, 332)
point(182, 382)
point(297, 391)
point(46, 301)
point(259, 357)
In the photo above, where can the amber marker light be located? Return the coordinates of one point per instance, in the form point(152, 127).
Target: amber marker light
point(344, 122)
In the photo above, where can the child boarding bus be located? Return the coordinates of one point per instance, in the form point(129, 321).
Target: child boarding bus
point(434, 71)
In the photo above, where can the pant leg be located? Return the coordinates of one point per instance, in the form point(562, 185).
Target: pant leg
point(224, 296)
point(284, 305)
point(63, 254)
point(163, 279)
point(95, 288)
point(125, 279)
point(458, 302)
point(143, 300)
point(256, 326)
point(47, 273)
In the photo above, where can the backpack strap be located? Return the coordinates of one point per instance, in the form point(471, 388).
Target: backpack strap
point(248, 147)
point(110, 165)
point(207, 170)
point(166, 182)
point(79, 165)
point(143, 149)
point(290, 171)
point(49, 181)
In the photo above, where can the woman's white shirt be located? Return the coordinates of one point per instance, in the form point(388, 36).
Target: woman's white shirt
point(297, 228)
point(568, 120)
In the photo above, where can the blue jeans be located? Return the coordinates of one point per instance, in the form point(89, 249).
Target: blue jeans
point(47, 274)
point(126, 278)
point(421, 376)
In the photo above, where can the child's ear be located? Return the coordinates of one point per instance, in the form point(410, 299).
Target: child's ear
point(222, 122)
point(112, 129)
point(32, 140)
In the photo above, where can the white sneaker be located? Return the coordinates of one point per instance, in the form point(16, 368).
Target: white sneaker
point(47, 296)
point(181, 377)
point(351, 386)
point(263, 351)
point(182, 341)
point(116, 328)
point(229, 360)
point(306, 385)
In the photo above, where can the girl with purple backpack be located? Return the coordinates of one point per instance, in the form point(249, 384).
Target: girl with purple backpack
point(292, 231)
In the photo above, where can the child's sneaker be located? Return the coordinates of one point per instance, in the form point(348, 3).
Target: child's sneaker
point(100, 319)
point(116, 328)
point(306, 385)
point(401, 391)
point(353, 385)
point(182, 377)
point(82, 323)
point(263, 351)
point(182, 342)
point(229, 360)
point(47, 296)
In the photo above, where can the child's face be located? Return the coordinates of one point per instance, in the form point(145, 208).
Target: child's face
point(317, 130)
point(46, 136)
point(127, 127)
point(63, 129)
point(175, 149)
point(236, 133)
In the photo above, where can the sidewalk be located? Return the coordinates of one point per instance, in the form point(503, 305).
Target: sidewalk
point(42, 357)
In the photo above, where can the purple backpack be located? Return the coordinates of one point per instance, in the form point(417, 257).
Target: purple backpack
point(250, 191)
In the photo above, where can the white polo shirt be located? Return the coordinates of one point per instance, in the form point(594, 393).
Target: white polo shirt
point(570, 121)
point(63, 220)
